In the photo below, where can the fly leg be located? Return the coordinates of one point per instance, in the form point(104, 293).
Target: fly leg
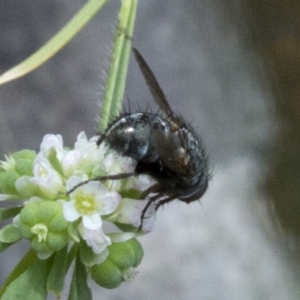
point(150, 201)
point(102, 178)
point(164, 201)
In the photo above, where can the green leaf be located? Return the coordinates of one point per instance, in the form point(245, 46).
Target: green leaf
point(63, 37)
point(10, 234)
point(4, 246)
point(115, 86)
point(6, 213)
point(28, 260)
point(72, 254)
point(79, 289)
point(56, 278)
point(31, 284)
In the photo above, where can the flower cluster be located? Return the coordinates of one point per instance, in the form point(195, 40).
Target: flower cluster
point(59, 210)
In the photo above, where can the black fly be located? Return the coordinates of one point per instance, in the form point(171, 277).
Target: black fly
point(164, 147)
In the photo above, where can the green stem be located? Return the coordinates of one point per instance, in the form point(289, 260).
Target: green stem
point(116, 80)
point(56, 43)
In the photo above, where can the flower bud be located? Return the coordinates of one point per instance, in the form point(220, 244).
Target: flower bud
point(25, 187)
point(107, 274)
point(44, 224)
point(118, 267)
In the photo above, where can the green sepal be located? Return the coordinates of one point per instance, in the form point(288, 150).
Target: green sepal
point(126, 254)
point(55, 163)
point(107, 274)
point(24, 166)
point(126, 227)
point(57, 241)
point(10, 234)
point(26, 188)
point(79, 289)
point(24, 154)
point(73, 232)
point(122, 255)
point(47, 210)
point(138, 251)
point(58, 223)
point(130, 193)
point(25, 231)
point(29, 214)
point(7, 182)
point(40, 246)
point(56, 277)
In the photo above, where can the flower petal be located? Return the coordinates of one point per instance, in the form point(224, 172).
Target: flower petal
point(71, 161)
point(96, 239)
point(69, 211)
point(109, 203)
point(52, 141)
point(92, 222)
point(119, 237)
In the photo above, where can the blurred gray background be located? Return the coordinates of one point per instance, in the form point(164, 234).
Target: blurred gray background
point(206, 58)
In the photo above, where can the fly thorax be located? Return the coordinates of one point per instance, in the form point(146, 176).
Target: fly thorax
point(130, 135)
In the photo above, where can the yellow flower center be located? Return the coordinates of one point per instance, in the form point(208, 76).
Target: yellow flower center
point(43, 173)
point(85, 204)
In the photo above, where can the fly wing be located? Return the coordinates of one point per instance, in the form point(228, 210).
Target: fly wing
point(156, 91)
point(172, 152)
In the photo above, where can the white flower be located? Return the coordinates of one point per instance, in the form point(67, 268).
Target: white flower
point(129, 212)
point(89, 201)
point(70, 162)
point(115, 164)
point(50, 142)
point(141, 183)
point(85, 153)
point(89, 149)
point(45, 177)
point(96, 239)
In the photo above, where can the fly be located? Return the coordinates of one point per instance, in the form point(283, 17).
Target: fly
point(165, 147)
